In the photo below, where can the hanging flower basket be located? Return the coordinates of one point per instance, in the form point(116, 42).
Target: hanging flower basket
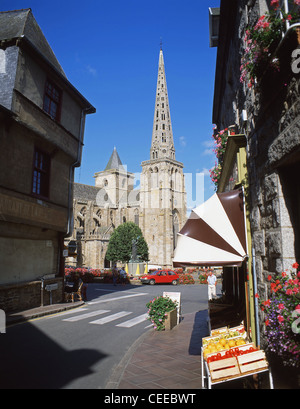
point(261, 42)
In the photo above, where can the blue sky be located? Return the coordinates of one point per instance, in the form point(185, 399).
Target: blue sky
point(109, 51)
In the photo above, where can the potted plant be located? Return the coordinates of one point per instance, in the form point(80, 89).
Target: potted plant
point(282, 316)
point(159, 309)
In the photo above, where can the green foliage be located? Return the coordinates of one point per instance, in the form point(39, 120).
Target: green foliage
point(120, 243)
point(157, 310)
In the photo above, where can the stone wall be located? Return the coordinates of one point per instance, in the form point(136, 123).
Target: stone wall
point(23, 296)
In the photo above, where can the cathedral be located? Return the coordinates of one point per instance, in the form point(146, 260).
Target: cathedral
point(158, 206)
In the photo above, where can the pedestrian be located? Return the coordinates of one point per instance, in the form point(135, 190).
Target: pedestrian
point(114, 274)
point(123, 275)
point(212, 284)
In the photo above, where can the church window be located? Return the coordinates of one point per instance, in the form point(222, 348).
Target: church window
point(105, 182)
point(163, 126)
point(162, 105)
point(41, 173)
point(52, 101)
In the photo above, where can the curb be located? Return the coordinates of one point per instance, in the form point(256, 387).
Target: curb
point(118, 371)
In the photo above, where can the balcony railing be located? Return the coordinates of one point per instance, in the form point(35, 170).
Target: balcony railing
point(288, 8)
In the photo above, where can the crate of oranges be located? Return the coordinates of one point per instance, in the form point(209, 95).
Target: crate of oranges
point(217, 344)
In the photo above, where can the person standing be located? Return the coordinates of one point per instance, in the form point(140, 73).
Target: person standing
point(114, 274)
point(123, 275)
point(212, 284)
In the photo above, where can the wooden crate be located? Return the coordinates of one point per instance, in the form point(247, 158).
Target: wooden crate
point(219, 331)
point(225, 368)
point(253, 361)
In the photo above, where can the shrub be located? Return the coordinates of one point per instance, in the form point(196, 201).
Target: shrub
point(186, 278)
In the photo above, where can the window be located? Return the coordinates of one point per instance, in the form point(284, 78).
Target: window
point(41, 173)
point(52, 101)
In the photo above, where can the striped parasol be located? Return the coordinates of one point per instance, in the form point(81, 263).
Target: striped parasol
point(215, 233)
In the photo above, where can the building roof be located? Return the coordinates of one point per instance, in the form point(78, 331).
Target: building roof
point(20, 27)
point(85, 192)
point(114, 161)
point(21, 24)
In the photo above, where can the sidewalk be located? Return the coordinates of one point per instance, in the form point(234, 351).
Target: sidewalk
point(17, 317)
point(164, 359)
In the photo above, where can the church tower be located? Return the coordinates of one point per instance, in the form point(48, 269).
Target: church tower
point(162, 190)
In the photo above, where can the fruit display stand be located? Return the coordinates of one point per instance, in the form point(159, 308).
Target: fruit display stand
point(225, 359)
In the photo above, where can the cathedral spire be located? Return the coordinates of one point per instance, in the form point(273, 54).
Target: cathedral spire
point(162, 136)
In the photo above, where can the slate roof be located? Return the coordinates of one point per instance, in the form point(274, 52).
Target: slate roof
point(21, 24)
point(114, 161)
point(85, 192)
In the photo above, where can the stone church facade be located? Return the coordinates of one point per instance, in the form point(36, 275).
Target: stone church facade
point(158, 207)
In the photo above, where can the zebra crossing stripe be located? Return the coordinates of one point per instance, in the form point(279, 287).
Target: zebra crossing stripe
point(102, 300)
point(87, 315)
point(111, 318)
point(133, 321)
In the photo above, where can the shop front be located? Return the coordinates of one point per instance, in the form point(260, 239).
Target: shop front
point(217, 234)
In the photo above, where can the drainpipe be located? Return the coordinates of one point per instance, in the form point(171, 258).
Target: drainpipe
point(255, 299)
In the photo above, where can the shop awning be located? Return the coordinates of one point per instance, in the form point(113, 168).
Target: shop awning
point(215, 233)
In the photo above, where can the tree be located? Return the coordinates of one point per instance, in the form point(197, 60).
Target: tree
point(120, 243)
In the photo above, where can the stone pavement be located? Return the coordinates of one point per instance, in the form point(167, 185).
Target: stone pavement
point(164, 359)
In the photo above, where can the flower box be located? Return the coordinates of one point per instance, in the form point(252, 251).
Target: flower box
point(171, 319)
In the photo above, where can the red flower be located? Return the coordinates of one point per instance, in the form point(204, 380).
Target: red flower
point(280, 318)
point(295, 265)
point(256, 295)
point(283, 274)
point(281, 306)
point(267, 322)
point(269, 277)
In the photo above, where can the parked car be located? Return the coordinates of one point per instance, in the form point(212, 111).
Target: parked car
point(160, 277)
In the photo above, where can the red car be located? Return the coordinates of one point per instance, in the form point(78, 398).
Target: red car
point(160, 277)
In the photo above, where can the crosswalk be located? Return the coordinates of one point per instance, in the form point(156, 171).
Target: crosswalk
point(108, 317)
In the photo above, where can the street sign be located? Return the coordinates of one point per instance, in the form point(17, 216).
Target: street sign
point(51, 287)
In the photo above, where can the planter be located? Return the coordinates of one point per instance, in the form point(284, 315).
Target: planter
point(171, 320)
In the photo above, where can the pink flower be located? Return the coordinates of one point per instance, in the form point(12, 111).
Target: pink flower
point(275, 4)
point(297, 2)
point(281, 306)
